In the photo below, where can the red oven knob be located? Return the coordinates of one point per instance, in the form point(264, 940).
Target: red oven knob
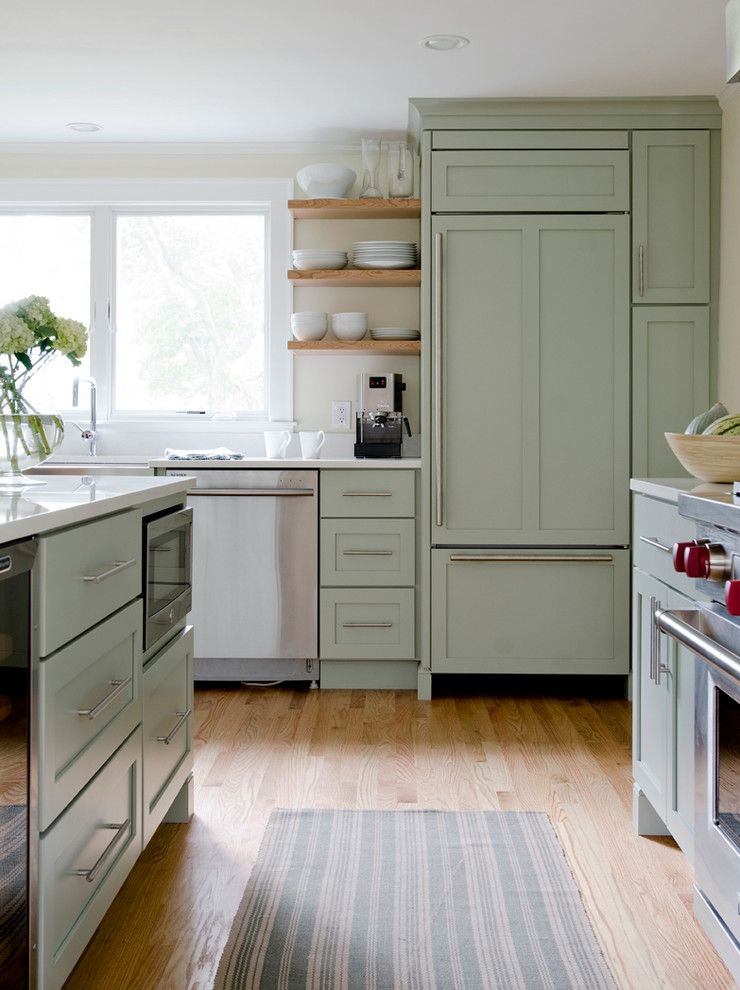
point(679, 550)
point(696, 561)
point(732, 597)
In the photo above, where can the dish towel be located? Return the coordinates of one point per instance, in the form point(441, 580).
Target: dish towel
point(216, 454)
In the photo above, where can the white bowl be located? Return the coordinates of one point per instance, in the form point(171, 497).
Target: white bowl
point(349, 333)
point(309, 321)
point(309, 333)
point(317, 264)
point(326, 181)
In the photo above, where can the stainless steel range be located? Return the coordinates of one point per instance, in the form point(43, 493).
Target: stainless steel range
point(712, 633)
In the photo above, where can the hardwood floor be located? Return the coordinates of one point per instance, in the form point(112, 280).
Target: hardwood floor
point(258, 748)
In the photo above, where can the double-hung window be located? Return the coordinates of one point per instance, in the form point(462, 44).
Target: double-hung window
point(184, 294)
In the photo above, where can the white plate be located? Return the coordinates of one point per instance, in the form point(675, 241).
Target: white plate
point(383, 263)
point(316, 266)
point(384, 244)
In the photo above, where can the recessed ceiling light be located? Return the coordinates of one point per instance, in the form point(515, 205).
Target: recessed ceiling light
point(84, 125)
point(444, 42)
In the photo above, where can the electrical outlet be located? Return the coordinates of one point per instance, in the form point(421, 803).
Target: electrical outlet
point(341, 410)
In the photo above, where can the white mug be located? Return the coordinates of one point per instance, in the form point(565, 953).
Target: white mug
point(276, 443)
point(311, 444)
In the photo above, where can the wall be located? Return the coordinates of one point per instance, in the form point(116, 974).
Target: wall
point(316, 379)
point(729, 298)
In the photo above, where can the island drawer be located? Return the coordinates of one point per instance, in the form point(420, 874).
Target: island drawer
point(656, 527)
point(367, 624)
point(84, 859)
point(89, 702)
point(367, 492)
point(367, 552)
point(89, 572)
point(168, 723)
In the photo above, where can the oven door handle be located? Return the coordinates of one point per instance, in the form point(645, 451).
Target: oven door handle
point(674, 624)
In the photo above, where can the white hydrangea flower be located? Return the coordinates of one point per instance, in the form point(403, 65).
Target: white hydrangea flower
point(71, 337)
point(35, 310)
point(15, 336)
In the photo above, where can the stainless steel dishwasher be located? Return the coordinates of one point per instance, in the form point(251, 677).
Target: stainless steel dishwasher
point(255, 574)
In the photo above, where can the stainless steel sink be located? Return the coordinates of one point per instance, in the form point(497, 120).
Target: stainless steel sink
point(97, 465)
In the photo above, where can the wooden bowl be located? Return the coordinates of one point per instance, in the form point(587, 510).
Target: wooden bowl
point(707, 458)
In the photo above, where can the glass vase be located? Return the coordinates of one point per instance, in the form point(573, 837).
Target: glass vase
point(370, 165)
point(400, 170)
point(28, 436)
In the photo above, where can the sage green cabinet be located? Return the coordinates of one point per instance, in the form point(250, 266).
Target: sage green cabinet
point(367, 623)
point(367, 552)
point(670, 382)
point(520, 181)
point(670, 216)
point(663, 718)
point(516, 611)
point(533, 380)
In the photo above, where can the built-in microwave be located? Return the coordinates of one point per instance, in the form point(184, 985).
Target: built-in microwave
point(168, 571)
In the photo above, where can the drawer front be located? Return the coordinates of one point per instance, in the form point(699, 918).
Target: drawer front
point(84, 859)
point(573, 181)
point(168, 720)
point(92, 570)
point(513, 612)
point(659, 523)
point(367, 624)
point(89, 702)
point(369, 552)
point(361, 492)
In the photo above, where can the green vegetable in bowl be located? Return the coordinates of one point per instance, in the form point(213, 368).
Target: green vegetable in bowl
point(702, 422)
point(727, 426)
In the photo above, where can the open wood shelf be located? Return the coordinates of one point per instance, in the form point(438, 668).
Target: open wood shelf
point(381, 277)
point(382, 347)
point(355, 209)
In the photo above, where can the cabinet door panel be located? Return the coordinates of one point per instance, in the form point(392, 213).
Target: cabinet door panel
point(483, 620)
point(670, 382)
point(650, 699)
point(670, 216)
point(534, 369)
point(680, 791)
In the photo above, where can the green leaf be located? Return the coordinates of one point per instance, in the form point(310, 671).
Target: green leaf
point(24, 359)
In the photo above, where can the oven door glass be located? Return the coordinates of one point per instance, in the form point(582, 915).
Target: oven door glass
point(168, 572)
point(727, 811)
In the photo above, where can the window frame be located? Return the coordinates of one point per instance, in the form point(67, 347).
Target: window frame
point(105, 199)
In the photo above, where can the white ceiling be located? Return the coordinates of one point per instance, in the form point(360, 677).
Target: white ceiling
point(328, 70)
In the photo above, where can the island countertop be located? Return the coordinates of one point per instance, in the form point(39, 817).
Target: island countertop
point(67, 500)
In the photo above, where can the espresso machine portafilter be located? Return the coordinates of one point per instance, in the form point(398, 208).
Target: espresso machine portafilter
point(380, 421)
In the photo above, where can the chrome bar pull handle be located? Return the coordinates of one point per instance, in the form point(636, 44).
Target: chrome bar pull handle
point(652, 541)
point(367, 494)
point(641, 270)
point(118, 688)
point(367, 625)
point(367, 553)
point(438, 385)
point(91, 875)
point(182, 718)
point(118, 566)
point(531, 558)
point(653, 636)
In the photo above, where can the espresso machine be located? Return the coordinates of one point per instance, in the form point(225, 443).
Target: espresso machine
point(380, 421)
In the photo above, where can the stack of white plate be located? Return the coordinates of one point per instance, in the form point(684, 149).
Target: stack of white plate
point(384, 254)
point(349, 326)
point(308, 326)
point(394, 333)
point(313, 259)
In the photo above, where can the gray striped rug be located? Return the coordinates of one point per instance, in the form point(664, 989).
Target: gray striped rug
point(411, 900)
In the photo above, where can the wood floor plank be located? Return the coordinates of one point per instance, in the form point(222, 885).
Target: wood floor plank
point(257, 748)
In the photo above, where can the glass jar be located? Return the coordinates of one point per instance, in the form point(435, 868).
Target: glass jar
point(400, 170)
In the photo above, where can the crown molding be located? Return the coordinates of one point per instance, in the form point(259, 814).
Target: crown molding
point(728, 94)
point(167, 148)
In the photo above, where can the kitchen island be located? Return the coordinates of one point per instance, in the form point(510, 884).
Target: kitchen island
point(95, 735)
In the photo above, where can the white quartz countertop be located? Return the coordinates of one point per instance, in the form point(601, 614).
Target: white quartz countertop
point(67, 500)
point(668, 489)
point(280, 464)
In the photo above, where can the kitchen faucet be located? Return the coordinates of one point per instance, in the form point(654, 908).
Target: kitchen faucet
point(90, 435)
